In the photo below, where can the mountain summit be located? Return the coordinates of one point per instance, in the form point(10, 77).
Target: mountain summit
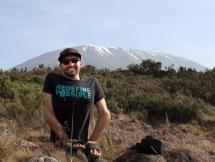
point(112, 58)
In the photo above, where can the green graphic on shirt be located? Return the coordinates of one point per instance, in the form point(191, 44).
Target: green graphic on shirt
point(73, 91)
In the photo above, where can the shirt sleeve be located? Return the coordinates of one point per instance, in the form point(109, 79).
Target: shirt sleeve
point(48, 85)
point(99, 94)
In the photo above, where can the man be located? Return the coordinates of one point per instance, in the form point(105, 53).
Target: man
point(68, 100)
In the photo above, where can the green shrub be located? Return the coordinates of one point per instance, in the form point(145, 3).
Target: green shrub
point(113, 106)
point(15, 110)
point(7, 90)
point(158, 106)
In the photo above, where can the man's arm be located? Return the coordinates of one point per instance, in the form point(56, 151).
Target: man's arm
point(104, 118)
point(51, 119)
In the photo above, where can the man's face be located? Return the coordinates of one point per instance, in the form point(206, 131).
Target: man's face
point(71, 65)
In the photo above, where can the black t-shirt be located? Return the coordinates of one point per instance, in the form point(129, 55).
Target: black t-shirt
point(72, 100)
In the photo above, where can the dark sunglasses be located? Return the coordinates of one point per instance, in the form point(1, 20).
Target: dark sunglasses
point(67, 61)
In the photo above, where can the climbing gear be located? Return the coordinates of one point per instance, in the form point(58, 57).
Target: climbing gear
point(77, 153)
point(91, 157)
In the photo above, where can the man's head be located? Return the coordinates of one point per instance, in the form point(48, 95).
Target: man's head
point(70, 62)
point(69, 51)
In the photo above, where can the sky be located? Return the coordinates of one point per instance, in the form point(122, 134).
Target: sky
point(185, 28)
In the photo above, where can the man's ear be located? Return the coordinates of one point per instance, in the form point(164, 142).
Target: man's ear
point(82, 63)
point(60, 66)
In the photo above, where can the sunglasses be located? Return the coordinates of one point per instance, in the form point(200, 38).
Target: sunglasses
point(67, 61)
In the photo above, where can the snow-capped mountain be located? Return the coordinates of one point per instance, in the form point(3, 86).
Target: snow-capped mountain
point(112, 58)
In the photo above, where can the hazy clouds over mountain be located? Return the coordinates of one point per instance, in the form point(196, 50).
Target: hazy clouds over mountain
point(112, 58)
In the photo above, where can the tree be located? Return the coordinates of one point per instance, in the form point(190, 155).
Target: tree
point(41, 66)
point(146, 67)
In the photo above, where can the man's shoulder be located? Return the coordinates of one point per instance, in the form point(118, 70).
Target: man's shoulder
point(90, 78)
point(93, 79)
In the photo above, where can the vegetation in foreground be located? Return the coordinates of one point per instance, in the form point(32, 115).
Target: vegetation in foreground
point(179, 105)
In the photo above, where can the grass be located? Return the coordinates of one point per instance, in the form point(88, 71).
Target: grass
point(22, 156)
point(196, 138)
point(3, 152)
point(136, 115)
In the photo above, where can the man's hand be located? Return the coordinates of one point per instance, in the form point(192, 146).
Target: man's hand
point(73, 144)
point(94, 151)
point(93, 148)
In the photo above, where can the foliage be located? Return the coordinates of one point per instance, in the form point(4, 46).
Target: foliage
point(145, 91)
point(146, 67)
point(21, 97)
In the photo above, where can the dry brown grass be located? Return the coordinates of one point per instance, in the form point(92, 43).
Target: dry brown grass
point(198, 140)
point(175, 136)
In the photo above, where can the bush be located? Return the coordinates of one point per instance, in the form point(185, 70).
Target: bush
point(37, 79)
point(15, 110)
point(7, 90)
point(137, 90)
point(158, 106)
point(113, 106)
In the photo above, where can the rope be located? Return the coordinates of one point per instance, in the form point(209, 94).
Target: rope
point(82, 127)
point(73, 112)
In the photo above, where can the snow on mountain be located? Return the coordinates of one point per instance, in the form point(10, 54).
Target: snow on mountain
point(112, 58)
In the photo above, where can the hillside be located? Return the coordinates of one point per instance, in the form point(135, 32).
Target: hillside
point(112, 58)
point(177, 107)
point(182, 142)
